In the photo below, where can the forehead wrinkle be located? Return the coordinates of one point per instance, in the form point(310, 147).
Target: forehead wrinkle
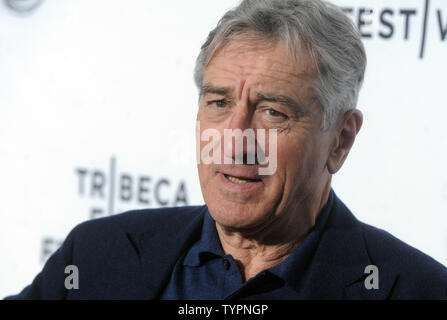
point(286, 62)
point(253, 70)
point(298, 85)
point(240, 88)
point(266, 72)
point(296, 88)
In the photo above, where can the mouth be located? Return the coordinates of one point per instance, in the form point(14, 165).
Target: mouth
point(240, 184)
point(240, 180)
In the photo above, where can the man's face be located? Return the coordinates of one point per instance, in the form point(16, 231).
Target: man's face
point(259, 86)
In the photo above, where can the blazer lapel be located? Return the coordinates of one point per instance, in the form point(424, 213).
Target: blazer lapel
point(159, 248)
point(337, 269)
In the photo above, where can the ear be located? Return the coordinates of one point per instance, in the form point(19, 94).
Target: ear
point(345, 131)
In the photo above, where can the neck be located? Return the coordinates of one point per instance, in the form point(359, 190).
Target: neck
point(271, 243)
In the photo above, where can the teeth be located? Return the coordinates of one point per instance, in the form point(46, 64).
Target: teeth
point(236, 180)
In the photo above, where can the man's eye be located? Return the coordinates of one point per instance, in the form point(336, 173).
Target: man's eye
point(275, 114)
point(220, 103)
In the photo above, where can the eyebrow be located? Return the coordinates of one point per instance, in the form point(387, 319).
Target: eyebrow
point(298, 109)
point(208, 88)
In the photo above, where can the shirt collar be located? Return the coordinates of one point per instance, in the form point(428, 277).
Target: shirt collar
point(209, 247)
point(294, 265)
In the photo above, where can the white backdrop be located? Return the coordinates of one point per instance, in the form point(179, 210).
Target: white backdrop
point(97, 116)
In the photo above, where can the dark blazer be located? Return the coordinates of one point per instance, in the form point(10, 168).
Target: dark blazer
point(131, 256)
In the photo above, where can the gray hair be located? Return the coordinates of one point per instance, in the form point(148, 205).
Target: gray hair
point(323, 29)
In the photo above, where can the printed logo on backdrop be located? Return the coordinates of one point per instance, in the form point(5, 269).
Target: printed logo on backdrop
point(373, 23)
point(109, 191)
point(382, 23)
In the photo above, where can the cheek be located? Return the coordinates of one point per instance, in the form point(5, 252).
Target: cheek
point(291, 152)
point(202, 168)
point(296, 160)
point(205, 179)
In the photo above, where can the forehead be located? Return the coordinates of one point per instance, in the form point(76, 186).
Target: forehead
point(259, 62)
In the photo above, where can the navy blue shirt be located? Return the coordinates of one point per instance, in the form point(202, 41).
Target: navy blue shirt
point(206, 273)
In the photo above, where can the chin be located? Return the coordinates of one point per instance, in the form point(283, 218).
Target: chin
point(237, 216)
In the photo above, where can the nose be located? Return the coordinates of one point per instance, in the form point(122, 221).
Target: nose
point(241, 117)
point(239, 136)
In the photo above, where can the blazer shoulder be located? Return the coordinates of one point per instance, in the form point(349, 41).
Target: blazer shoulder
point(417, 271)
point(383, 245)
point(102, 253)
point(139, 221)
